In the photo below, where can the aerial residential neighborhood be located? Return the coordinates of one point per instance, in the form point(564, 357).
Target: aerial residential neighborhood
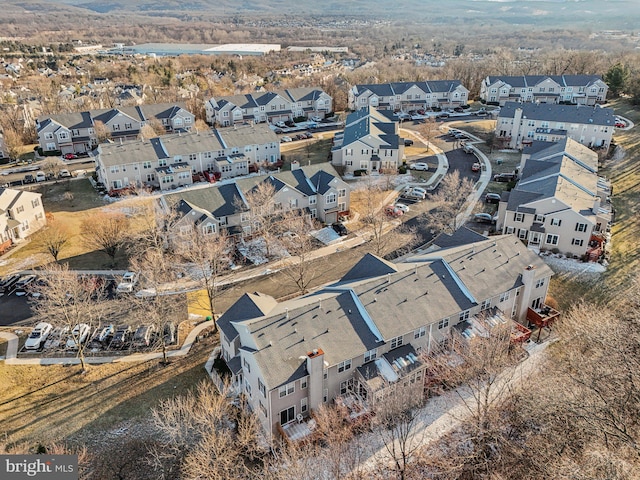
point(342, 242)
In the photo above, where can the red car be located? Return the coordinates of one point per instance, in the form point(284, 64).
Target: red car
point(620, 125)
point(70, 156)
point(475, 167)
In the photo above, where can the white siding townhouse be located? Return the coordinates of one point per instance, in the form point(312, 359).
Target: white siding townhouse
point(407, 96)
point(75, 132)
point(519, 124)
point(572, 89)
point(272, 107)
point(315, 189)
point(349, 341)
point(370, 142)
point(560, 203)
point(180, 159)
point(3, 147)
point(21, 214)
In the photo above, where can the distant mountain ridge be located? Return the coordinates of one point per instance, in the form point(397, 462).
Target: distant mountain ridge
point(553, 12)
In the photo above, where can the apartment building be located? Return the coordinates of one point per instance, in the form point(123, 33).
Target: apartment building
point(560, 203)
point(271, 107)
point(353, 339)
point(76, 132)
point(519, 124)
point(370, 142)
point(315, 189)
point(21, 214)
point(407, 96)
point(569, 89)
point(182, 159)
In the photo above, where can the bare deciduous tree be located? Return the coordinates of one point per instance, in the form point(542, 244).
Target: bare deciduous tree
point(53, 238)
point(449, 200)
point(106, 232)
point(102, 131)
point(301, 245)
point(71, 300)
point(264, 211)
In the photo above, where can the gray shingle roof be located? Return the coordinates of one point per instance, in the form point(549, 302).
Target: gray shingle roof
point(561, 113)
point(250, 305)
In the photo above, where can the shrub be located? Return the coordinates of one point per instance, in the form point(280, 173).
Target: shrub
point(402, 169)
point(360, 173)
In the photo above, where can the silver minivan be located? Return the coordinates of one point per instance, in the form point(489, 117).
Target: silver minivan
point(41, 176)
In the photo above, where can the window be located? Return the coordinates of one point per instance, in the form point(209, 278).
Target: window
point(245, 217)
point(581, 227)
point(162, 162)
point(540, 283)
point(115, 127)
point(522, 234)
point(343, 387)
point(287, 389)
point(35, 203)
point(246, 365)
point(303, 405)
point(370, 355)
point(263, 410)
point(247, 386)
point(150, 177)
point(222, 220)
point(577, 241)
point(486, 304)
point(556, 222)
point(510, 229)
point(518, 217)
point(20, 209)
point(313, 200)
point(444, 323)
point(396, 342)
point(538, 218)
point(127, 126)
point(331, 198)
point(146, 165)
point(342, 192)
point(48, 136)
point(551, 239)
point(115, 169)
point(289, 414)
point(342, 366)
point(463, 316)
point(303, 383)
point(421, 332)
point(209, 229)
point(504, 297)
point(325, 395)
point(262, 388)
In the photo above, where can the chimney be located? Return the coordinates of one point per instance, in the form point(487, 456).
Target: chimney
point(315, 369)
point(525, 298)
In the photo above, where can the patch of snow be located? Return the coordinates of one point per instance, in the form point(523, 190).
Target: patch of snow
point(561, 263)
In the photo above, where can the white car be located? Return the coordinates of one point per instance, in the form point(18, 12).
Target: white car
point(285, 139)
point(41, 176)
point(419, 190)
point(129, 280)
point(402, 207)
point(281, 125)
point(78, 336)
point(419, 166)
point(316, 119)
point(64, 173)
point(38, 336)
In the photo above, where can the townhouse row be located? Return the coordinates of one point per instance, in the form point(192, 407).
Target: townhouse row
point(352, 340)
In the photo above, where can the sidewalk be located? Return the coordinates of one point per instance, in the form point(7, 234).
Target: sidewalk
point(12, 350)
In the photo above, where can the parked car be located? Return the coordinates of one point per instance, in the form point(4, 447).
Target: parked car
point(339, 228)
point(619, 125)
point(300, 137)
point(70, 156)
point(419, 191)
point(443, 115)
point(56, 337)
point(121, 337)
point(408, 142)
point(419, 166)
point(64, 173)
point(481, 113)
point(129, 280)
point(504, 177)
point(467, 148)
point(483, 218)
point(403, 116)
point(281, 124)
point(285, 139)
point(143, 335)
point(22, 286)
point(392, 211)
point(492, 198)
point(41, 176)
point(411, 195)
point(38, 336)
point(278, 131)
point(316, 119)
point(103, 335)
point(78, 336)
point(402, 206)
point(290, 123)
point(169, 333)
point(6, 285)
point(308, 135)
point(476, 167)
point(28, 178)
point(453, 132)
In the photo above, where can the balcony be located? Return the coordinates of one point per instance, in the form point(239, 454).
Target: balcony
point(542, 317)
point(354, 408)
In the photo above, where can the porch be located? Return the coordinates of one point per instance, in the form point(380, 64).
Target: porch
point(542, 318)
point(301, 430)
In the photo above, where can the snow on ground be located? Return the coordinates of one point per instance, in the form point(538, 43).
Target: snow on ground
point(560, 263)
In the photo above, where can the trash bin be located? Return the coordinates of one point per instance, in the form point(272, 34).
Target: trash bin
point(499, 161)
point(209, 318)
